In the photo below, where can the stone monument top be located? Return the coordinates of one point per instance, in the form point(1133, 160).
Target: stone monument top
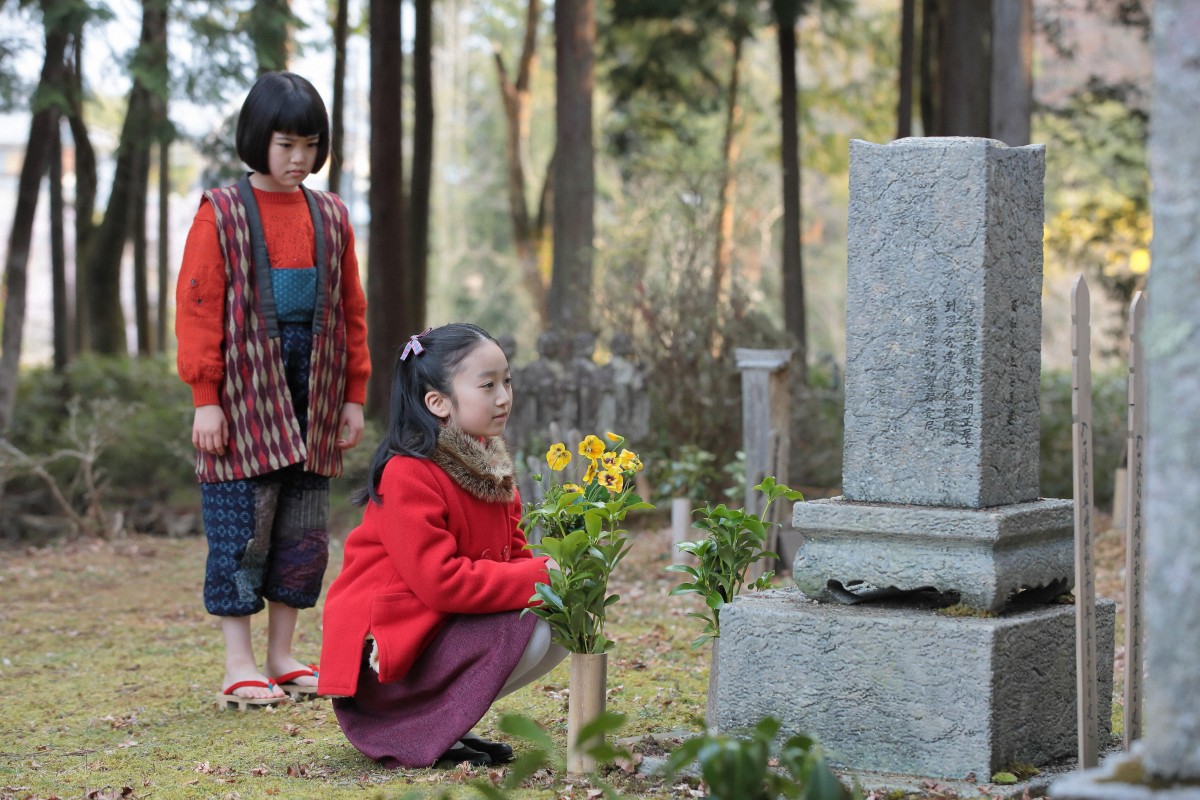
point(943, 322)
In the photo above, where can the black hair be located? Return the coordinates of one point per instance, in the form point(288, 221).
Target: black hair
point(280, 102)
point(412, 427)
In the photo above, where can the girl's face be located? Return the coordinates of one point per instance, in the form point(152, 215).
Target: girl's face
point(290, 157)
point(481, 393)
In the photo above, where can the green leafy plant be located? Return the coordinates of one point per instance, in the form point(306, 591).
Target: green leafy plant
point(735, 539)
point(582, 534)
point(744, 767)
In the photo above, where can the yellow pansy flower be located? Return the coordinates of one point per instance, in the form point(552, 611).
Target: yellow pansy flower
point(558, 456)
point(628, 459)
point(613, 437)
point(613, 481)
point(590, 475)
point(591, 447)
point(608, 460)
point(572, 488)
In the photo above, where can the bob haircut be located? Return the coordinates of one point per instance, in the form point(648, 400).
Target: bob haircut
point(412, 429)
point(280, 102)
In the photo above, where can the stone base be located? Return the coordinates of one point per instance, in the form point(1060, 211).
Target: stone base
point(917, 692)
point(1119, 777)
point(985, 557)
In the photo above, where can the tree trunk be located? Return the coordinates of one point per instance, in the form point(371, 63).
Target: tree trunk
point(795, 319)
point(58, 255)
point(85, 198)
point(151, 327)
point(270, 28)
point(730, 150)
point(138, 196)
point(42, 126)
point(904, 107)
point(337, 122)
point(1012, 71)
point(574, 193)
point(106, 316)
point(387, 249)
point(928, 66)
point(516, 97)
point(422, 165)
point(164, 239)
point(964, 70)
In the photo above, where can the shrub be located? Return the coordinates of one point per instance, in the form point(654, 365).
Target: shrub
point(152, 457)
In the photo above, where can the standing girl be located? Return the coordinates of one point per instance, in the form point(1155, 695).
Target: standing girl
point(423, 627)
point(271, 323)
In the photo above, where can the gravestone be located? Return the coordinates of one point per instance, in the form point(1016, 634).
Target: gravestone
point(1165, 763)
point(943, 342)
point(940, 498)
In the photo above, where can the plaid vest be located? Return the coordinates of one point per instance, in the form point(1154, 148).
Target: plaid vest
point(264, 433)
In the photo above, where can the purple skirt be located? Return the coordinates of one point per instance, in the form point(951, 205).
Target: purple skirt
point(410, 722)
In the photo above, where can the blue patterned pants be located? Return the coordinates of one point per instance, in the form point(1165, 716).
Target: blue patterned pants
point(267, 536)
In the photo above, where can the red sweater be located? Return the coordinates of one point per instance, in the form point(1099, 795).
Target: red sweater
point(200, 293)
point(427, 551)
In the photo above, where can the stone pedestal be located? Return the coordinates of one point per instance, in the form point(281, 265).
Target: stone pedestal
point(1122, 776)
point(982, 558)
point(900, 690)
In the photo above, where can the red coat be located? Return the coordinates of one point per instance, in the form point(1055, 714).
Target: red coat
point(429, 550)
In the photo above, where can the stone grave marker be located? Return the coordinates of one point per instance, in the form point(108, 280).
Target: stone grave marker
point(940, 500)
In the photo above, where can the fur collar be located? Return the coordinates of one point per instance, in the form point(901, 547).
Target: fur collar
point(483, 468)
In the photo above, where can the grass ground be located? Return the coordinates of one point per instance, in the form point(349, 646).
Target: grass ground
point(109, 666)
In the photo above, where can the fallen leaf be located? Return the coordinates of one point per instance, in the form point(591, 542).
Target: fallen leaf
point(630, 764)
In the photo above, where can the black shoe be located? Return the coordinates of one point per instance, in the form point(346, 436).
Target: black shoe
point(461, 754)
point(499, 752)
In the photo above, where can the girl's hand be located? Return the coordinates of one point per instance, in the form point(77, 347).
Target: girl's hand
point(351, 425)
point(210, 431)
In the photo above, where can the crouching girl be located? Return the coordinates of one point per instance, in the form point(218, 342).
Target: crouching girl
point(423, 627)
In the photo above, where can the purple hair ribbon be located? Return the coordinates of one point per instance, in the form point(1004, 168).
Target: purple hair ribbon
point(414, 346)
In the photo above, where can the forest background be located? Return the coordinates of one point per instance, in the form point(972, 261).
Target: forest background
point(676, 171)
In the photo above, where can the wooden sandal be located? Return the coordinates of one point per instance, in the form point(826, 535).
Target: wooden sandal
point(227, 699)
point(295, 690)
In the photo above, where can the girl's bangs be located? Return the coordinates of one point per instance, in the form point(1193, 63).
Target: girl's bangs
point(299, 115)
